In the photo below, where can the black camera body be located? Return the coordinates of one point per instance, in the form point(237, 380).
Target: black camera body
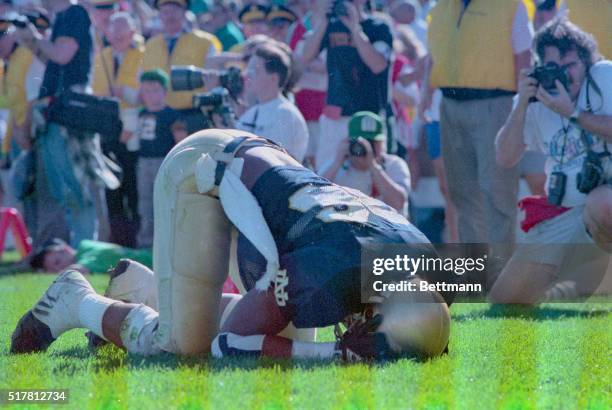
point(215, 99)
point(592, 173)
point(546, 76)
point(357, 149)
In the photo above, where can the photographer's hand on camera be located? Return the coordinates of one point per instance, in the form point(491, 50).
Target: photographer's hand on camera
point(560, 103)
point(527, 87)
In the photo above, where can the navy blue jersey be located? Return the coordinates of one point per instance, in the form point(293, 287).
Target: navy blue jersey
point(320, 230)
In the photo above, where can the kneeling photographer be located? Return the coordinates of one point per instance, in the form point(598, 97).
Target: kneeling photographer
point(563, 109)
point(361, 163)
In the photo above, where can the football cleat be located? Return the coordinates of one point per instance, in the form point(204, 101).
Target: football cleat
point(56, 312)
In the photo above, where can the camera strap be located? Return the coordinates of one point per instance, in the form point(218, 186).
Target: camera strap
point(589, 108)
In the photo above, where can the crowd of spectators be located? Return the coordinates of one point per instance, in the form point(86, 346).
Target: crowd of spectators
point(363, 92)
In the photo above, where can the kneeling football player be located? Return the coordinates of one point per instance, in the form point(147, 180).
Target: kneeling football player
point(299, 255)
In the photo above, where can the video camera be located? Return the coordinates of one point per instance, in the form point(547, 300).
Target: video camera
point(546, 76)
point(187, 78)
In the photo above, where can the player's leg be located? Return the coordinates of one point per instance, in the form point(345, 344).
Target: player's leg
point(523, 282)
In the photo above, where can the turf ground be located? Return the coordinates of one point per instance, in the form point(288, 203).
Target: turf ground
point(556, 356)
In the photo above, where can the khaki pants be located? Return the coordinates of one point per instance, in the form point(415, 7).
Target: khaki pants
point(484, 194)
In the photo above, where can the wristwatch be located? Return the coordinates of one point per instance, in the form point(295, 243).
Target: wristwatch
point(574, 117)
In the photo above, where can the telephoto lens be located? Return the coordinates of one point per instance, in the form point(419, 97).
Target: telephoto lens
point(186, 77)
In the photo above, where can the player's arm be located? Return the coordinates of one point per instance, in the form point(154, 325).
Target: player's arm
point(314, 39)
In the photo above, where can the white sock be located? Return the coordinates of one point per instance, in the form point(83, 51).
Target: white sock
point(91, 312)
point(313, 350)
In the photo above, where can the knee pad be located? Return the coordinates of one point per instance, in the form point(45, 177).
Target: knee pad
point(190, 250)
point(132, 282)
point(138, 331)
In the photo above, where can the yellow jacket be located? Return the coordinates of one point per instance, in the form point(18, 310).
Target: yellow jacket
point(473, 50)
point(127, 75)
point(13, 90)
point(190, 49)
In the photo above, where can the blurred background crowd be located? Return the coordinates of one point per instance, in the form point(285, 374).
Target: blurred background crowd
point(352, 89)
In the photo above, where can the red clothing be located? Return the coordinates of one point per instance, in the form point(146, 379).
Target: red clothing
point(537, 209)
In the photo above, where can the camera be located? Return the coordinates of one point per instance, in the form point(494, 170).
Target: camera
point(338, 9)
point(546, 75)
point(357, 149)
point(591, 174)
point(214, 100)
point(187, 78)
point(556, 188)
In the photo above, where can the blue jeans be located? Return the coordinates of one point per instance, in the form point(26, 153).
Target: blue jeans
point(64, 187)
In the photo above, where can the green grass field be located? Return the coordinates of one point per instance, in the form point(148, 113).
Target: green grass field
point(556, 356)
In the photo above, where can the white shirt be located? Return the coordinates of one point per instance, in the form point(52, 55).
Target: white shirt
point(394, 166)
point(280, 121)
point(547, 132)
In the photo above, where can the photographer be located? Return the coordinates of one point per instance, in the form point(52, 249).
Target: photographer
point(70, 170)
point(361, 163)
point(572, 125)
point(273, 117)
point(358, 52)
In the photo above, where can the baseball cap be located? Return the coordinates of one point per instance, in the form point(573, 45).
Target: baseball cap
point(367, 125)
point(157, 75)
point(281, 14)
point(252, 13)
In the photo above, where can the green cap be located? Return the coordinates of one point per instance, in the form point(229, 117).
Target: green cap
point(158, 75)
point(367, 125)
